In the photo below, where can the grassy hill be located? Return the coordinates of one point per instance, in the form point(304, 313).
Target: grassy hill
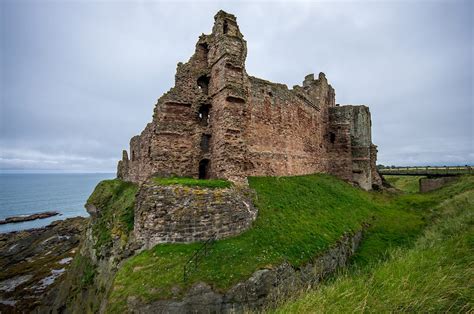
point(409, 184)
point(435, 275)
point(299, 218)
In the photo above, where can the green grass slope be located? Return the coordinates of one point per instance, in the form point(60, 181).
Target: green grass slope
point(299, 218)
point(408, 184)
point(435, 275)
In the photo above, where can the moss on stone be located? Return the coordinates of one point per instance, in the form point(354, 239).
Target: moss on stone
point(115, 201)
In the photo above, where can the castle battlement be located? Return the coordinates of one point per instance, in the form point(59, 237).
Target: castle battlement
point(219, 122)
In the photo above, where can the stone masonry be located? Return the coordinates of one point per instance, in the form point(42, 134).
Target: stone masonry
point(188, 214)
point(219, 122)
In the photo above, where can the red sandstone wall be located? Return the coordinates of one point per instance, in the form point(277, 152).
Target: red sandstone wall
point(284, 134)
point(254, 128)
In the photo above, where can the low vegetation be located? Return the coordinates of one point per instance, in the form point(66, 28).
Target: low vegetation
point(409, 184)
point(299, 218)
point(83, 265)
point(212, 183)
point(435, 275)
point(115, 201)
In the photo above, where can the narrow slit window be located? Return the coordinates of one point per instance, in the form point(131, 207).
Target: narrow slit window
point(225, 28)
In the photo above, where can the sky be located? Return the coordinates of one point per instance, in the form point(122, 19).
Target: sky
point(78, 79)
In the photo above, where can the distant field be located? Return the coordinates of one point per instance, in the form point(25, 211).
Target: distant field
point(409, 184)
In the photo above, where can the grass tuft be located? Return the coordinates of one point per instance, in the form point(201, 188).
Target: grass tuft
point(211, 183)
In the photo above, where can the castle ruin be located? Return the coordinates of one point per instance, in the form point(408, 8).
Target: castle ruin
point(219, 122)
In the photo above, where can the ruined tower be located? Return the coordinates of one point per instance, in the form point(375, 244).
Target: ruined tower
point(219, 122)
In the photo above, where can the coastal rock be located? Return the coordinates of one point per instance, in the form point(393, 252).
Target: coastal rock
point(16, 219)
point(33, 262)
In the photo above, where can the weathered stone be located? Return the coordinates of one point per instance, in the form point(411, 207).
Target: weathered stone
point(219, 122)
point(33, 263)
point(15, 219)
point(187, 214)
point(430, 184)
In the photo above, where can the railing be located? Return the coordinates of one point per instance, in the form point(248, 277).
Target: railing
point(193, 263)
point(428, 170)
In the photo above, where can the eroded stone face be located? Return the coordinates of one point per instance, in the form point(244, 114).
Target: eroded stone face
point(219, 122)
point(188, 214)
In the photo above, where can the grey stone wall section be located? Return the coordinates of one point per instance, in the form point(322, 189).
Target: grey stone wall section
point(189, 214)
point(263, 289)
point(351, 126)
point(430, 184)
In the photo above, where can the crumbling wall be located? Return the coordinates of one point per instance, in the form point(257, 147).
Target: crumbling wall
point(430, 184)
point(219, 122)
point(352, 126)
point(189, 214)
point(285, 132)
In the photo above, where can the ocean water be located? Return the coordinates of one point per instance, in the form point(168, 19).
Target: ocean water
point(26, 194)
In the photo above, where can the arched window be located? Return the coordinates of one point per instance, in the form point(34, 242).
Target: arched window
point(332, 137)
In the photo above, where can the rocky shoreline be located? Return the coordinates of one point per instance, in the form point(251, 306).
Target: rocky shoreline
point(33, 263)
point(15, 219)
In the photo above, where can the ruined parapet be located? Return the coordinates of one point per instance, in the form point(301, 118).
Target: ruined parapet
point(357, 120)
point(219, 122)
point(376, 178)
point(229, 90)
point(122, 166)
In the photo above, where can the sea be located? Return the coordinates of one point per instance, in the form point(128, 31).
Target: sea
point(31, 193)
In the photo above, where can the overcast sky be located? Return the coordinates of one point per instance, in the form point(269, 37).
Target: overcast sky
point(80, 78)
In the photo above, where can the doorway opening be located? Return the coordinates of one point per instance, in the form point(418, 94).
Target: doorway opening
point(204, 169)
